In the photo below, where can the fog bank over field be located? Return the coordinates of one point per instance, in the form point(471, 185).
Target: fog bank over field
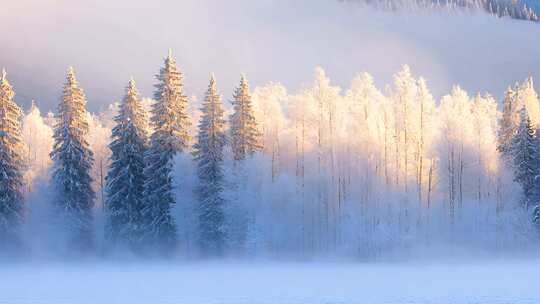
point(269, 40)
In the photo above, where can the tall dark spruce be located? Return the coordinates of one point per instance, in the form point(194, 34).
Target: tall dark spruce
point(170, 124)
point(125, 179)
point(11, 166)
point(208, 152)
point(73, 161)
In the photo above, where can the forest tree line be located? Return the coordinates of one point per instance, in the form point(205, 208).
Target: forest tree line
point(515, 9)
point(361, 173)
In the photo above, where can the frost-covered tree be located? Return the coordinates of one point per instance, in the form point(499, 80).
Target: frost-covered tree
point(527, 97)
point(245, 136)
point(456, 131)
point(170, 123)
point(423, 135)
point(38, 139)
point(245, 140)
point(404, 99)
point(360, 172)
point(521, 96)
point(325, 99)
point(125, 179)
point(208, 154)
point(11, 165)
point(516, 9)
point(507, 124)
point(484, 124)
point(98, 139)
point(73, 161)
point(525, 158)
point(267, 105)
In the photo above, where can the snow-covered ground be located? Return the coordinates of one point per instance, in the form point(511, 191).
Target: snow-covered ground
point(285, 283)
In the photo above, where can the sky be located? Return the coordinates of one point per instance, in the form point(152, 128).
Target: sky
point(107, 42)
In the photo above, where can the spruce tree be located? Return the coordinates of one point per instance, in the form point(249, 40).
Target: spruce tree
point(73, 161)
point(507, 123)
point(525, 158)
point(170, 123)
point(11, 165)
point(125, 179)
point(208, 154)
point(245, 140)
point(245, 137)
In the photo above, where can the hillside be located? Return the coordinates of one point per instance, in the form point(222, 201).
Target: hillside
point(516, 9)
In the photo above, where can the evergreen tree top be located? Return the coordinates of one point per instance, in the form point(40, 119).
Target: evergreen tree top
point(170, 64)
point(212, 100)
point(72, 92)
point(244, 84)
point(71, 116)
point(241, 93)
point(211, 107)
point(6, 95)
point(4, 81)
point(131, 108)
point(170, 82)
point(212, 96)
point(169, 114)
point(70, 77)
point(211, 136)
point(131, 88)
point(73, 98)
point(6, 86)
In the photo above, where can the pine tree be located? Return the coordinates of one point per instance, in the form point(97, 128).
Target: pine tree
point(170, 123)
point(208, 154)
point(73, 161)
point(245, 141)
point(11, 165)
point(245, 137)
point(525, 158)
point(507, 123)
point(125, 179)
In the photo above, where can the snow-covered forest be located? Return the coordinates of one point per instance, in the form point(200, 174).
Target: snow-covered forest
point(516, 9)
point(361, 172)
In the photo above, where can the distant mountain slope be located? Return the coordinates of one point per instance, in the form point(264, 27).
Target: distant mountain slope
point(517, 9)
point(534, 4)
